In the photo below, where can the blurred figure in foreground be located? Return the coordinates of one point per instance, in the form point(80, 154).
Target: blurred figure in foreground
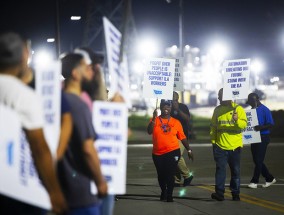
point(94, 89)
point(80, 164)
point(258, 150)
point(16, 95)
point(227, 123)
point(166, 131)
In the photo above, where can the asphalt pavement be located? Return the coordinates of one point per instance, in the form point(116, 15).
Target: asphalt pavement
point(142, 195)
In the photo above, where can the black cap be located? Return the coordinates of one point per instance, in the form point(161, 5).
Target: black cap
point(11, 50)
point(165, 102)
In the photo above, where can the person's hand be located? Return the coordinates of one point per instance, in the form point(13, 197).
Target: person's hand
point(155, 113)
point(117, 98)
point(190, 155)
point(235, 116)
point(58, 203)
point(257, 128)
point(102, 189)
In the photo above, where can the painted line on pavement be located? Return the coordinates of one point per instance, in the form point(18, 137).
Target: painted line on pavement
point(251, 199)
point(197, 145)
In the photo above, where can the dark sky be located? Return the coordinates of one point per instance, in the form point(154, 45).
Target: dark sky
point(250, 28)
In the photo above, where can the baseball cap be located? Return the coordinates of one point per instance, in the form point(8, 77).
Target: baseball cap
point(165, 102)
point(11, 50)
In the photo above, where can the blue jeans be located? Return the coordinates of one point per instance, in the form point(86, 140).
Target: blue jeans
point(89, 210)
point(222, 158)
point(107, 205)
point(258, 151)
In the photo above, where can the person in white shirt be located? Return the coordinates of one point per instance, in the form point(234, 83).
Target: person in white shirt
point(15, 95)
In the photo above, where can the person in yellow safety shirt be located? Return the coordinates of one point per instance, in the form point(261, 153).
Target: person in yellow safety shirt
point(227, 123)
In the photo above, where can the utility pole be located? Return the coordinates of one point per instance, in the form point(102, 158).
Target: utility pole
point(181, 38)
point(57, 29)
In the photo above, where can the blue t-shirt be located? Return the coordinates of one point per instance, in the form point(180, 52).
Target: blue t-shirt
point(65, 108)
point(74, 175)
point(264, 117)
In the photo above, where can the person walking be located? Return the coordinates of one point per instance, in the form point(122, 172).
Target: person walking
point(166, 131)
point(227, 123)
point(181, 113)
point(258, 150)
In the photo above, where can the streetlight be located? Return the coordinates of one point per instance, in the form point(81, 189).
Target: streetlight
point(75, 18)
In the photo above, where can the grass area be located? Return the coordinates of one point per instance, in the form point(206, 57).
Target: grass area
point(136, 122)
point(199, 126)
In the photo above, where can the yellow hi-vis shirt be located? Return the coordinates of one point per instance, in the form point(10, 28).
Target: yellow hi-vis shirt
point(224, 131)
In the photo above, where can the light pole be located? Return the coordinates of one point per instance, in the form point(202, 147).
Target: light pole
point(57, 30)
point(180, 35)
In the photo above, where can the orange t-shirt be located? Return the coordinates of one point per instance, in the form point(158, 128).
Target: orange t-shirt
point(164, 142)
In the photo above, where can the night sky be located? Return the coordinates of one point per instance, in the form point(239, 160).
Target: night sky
point(250, 28)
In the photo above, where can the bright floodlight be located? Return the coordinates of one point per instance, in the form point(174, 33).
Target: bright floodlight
point(148, 48)
point(219, 51)
point(50, 40)
point(257, 66)
point(42, 58)
point(75, 18)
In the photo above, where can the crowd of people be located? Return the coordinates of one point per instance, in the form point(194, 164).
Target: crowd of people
point(170, 137)
point(77, 161)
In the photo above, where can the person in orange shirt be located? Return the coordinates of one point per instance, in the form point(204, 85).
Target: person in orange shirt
point(166, 131)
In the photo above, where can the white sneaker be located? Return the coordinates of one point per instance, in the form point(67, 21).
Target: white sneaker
point(252, 185)
point(267, 184)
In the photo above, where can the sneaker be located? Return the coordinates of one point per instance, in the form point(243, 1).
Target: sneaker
point(267, 184)
point(170, 199)
point(252, 185)
point(217, 197)
point(187, 181)
point(236, 197)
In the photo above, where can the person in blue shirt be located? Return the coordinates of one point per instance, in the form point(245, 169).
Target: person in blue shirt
point(258, 150)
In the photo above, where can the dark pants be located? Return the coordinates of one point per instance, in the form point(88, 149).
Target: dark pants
point(166, 165)
point(14, 207)
point(258, 151)
point(222, 158)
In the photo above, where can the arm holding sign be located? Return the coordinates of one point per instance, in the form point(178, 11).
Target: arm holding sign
point(240, 118)
point(44, 164)
point(152, 122)
point(262, 127)
point(92, 160)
